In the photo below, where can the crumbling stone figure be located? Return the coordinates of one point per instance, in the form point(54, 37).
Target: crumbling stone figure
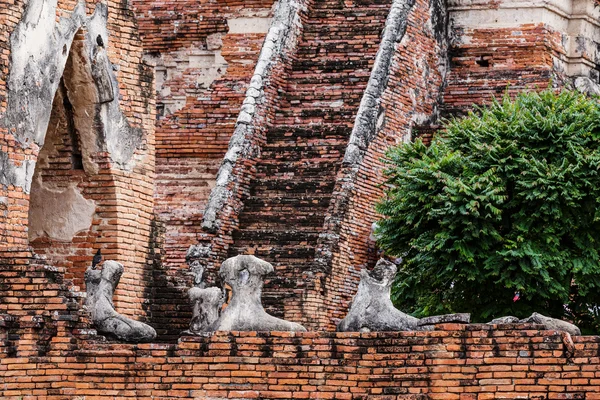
point(535, 318)
point(244, 274)
point(206, 302)
point(372, 308)
point(100, 288)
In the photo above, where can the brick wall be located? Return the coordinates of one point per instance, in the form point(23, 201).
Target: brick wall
point(204, 54)
point(487, 62)
point(453, 362)
point(411, 97)
point(122, 211)
point(192, 142)
point(239, 165)
point(511, 45)
point(281, 190)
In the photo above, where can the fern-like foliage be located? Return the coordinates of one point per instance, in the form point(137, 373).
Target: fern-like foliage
point(505, 200)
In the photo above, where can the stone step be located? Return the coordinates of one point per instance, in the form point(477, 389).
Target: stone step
point(276, 253)
point(326, 64)
point(288, 186)
point(351, 14)
point(312, 115)
point(313, 144)
point(276, 202)
point(273, 216)
point(308, 153)
point(345, 47)
point(282, 234)
point(285, 169)
point(323, 80)
point(334, 96)
point(294, 134)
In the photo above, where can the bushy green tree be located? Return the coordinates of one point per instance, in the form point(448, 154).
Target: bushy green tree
point(505, 202)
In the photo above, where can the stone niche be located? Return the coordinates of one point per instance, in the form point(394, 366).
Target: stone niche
point(79, 135)
point(62, 210)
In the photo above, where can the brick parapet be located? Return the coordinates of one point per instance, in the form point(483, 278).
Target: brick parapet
point(452, 362)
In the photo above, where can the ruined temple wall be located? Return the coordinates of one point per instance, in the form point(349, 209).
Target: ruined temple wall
point(453, 362)
point(411, 97)
point(110, 88)
point(514, 46)
point(204, 54)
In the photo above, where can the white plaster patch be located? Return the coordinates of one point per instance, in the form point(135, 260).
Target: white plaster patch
point(208, 66)
point(58, 214)
point(40, 46)
point(249, 25)
point(39, 50)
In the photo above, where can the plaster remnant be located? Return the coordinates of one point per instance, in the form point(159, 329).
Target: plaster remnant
point(171, 67)
point(249, 25)
point(58, 214)
point(120, 137)
point(19, 175)
point(586, 86)
point(40, 47)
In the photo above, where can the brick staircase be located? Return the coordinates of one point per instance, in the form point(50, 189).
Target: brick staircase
point(295, 176)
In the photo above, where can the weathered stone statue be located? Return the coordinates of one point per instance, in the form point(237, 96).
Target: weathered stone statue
point(244, 274)
point(372, 308)
point(100, 288)
point(206, 302)
point(549, 323)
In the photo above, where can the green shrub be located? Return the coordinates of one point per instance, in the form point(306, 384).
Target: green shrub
point(506, 200)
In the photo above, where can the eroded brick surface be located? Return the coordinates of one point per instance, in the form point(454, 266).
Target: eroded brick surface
point(204, 54)
point(488, 62)
point(294, 196)
point(291, 190)
point(412, 97)
point(122, 194)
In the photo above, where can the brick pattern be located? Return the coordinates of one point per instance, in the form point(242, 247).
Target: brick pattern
point(487, 62)
point(453, 362)
point(169, 26)
point(121, 226)
point(413, 94)
point(192, 140)
point(203, 127)
point(191, 144)
point(288, 196)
